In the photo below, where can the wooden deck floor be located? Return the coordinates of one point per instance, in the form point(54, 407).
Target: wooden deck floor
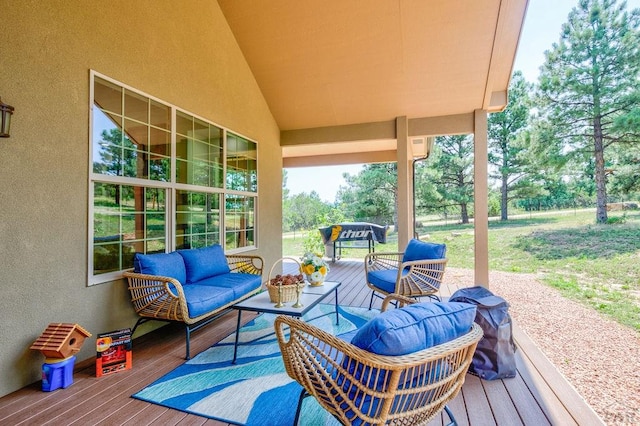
point(539, 395)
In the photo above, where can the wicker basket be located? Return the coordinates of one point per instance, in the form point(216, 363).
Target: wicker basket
point(289, 292)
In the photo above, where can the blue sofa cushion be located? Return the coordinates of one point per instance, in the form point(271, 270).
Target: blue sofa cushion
point(239, 283)
point(202, 299)
point(415, 327)
point(420, 250)
point(165, 264)
point(204, 262)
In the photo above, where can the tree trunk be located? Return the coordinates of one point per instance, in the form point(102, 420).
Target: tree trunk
point(504, 200)
point(464, 213)
point(601, 179)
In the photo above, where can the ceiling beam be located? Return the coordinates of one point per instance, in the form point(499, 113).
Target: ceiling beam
point(334, 160)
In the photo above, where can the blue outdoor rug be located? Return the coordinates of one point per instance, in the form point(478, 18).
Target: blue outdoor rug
point(256, 390)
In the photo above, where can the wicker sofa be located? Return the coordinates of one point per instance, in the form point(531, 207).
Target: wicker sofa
point(193, 286)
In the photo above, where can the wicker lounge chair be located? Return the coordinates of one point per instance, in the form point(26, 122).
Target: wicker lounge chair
point(416, 272)
point(359, 387)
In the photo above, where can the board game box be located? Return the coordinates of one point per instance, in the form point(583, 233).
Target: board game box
point(113, 352)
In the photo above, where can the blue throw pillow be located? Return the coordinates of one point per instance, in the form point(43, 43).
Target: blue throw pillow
point(415, 327)
point(204, 262)
point(164, 264)
point(420, 250)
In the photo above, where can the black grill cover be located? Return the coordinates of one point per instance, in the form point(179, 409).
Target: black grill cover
point(354, 231)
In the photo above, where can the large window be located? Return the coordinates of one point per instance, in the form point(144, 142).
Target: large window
point(163, 179)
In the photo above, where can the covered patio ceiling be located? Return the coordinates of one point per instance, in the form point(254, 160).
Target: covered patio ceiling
point(337, 73)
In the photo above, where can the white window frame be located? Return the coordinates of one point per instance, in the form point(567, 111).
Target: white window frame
point(170, 186)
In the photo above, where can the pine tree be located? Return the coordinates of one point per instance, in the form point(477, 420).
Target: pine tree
point(506, 150)
point(589, 86)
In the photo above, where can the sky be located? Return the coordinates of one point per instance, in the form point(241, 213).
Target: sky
point(541, 29)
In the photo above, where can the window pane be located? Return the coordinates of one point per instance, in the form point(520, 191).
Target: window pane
point(107, 143)
point(136, 106)
point(156, 246)
point(239, 221)
point(160, 169)
point(156, 225)
point(184, 124)
point(160, 115)
point(253, 175)
point(200, 130)
point(197, 219)
point(134, 163)
point(199, 155)
point(160, 142)
point(106, 258)
point(137, 135)
point(107, 96)
point(130, 226)
point(121, 146)
point(126, 219)
point(241, 167)
point(182, 169)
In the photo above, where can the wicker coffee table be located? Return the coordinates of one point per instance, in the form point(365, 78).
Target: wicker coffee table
point(309, 298)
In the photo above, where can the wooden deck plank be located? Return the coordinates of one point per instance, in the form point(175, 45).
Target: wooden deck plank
point(459, 411)
point(170, 417)
point(146, 415)
point(16, 401)
point(538, 395)
point(192, 420)
point(502, 406)
point(476, 403)
point(124, 413)
point(524, 402)
point(553, 409)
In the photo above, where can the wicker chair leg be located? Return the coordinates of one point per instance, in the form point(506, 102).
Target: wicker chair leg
point(188, 336)
point(373, 293)
point(453, 421)
point(303, 395)
point(435, 297)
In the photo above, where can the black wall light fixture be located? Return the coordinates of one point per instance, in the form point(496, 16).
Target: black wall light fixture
point(5, 120)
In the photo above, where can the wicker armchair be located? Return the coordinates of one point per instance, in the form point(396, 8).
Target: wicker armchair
point(360, 387)
point(393, 273)
point(161, 298)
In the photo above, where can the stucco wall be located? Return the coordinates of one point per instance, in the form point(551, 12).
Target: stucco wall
point(180, 52)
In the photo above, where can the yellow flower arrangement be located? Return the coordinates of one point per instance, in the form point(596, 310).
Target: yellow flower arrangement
point(314, 267)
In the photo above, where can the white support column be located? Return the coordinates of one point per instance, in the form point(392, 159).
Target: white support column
point(481, 198)
point(405, 184)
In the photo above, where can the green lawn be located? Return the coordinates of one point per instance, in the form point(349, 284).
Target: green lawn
point(598, 265)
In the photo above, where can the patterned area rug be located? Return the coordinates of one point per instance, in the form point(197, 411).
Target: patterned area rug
point(256, 390)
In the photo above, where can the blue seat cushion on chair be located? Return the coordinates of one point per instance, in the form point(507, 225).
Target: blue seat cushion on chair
point(421, 250)
point(204, 262)
point(415, 327)
point(239, 283)
point(385, 279)
point(399, 332)
point(165, 264)
point(202, 299)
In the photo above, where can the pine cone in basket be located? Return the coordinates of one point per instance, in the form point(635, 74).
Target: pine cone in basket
point(287, 279)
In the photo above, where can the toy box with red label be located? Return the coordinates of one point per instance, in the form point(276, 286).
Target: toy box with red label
point(113, 352)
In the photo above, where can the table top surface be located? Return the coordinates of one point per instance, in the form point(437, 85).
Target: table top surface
point(311, 296)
